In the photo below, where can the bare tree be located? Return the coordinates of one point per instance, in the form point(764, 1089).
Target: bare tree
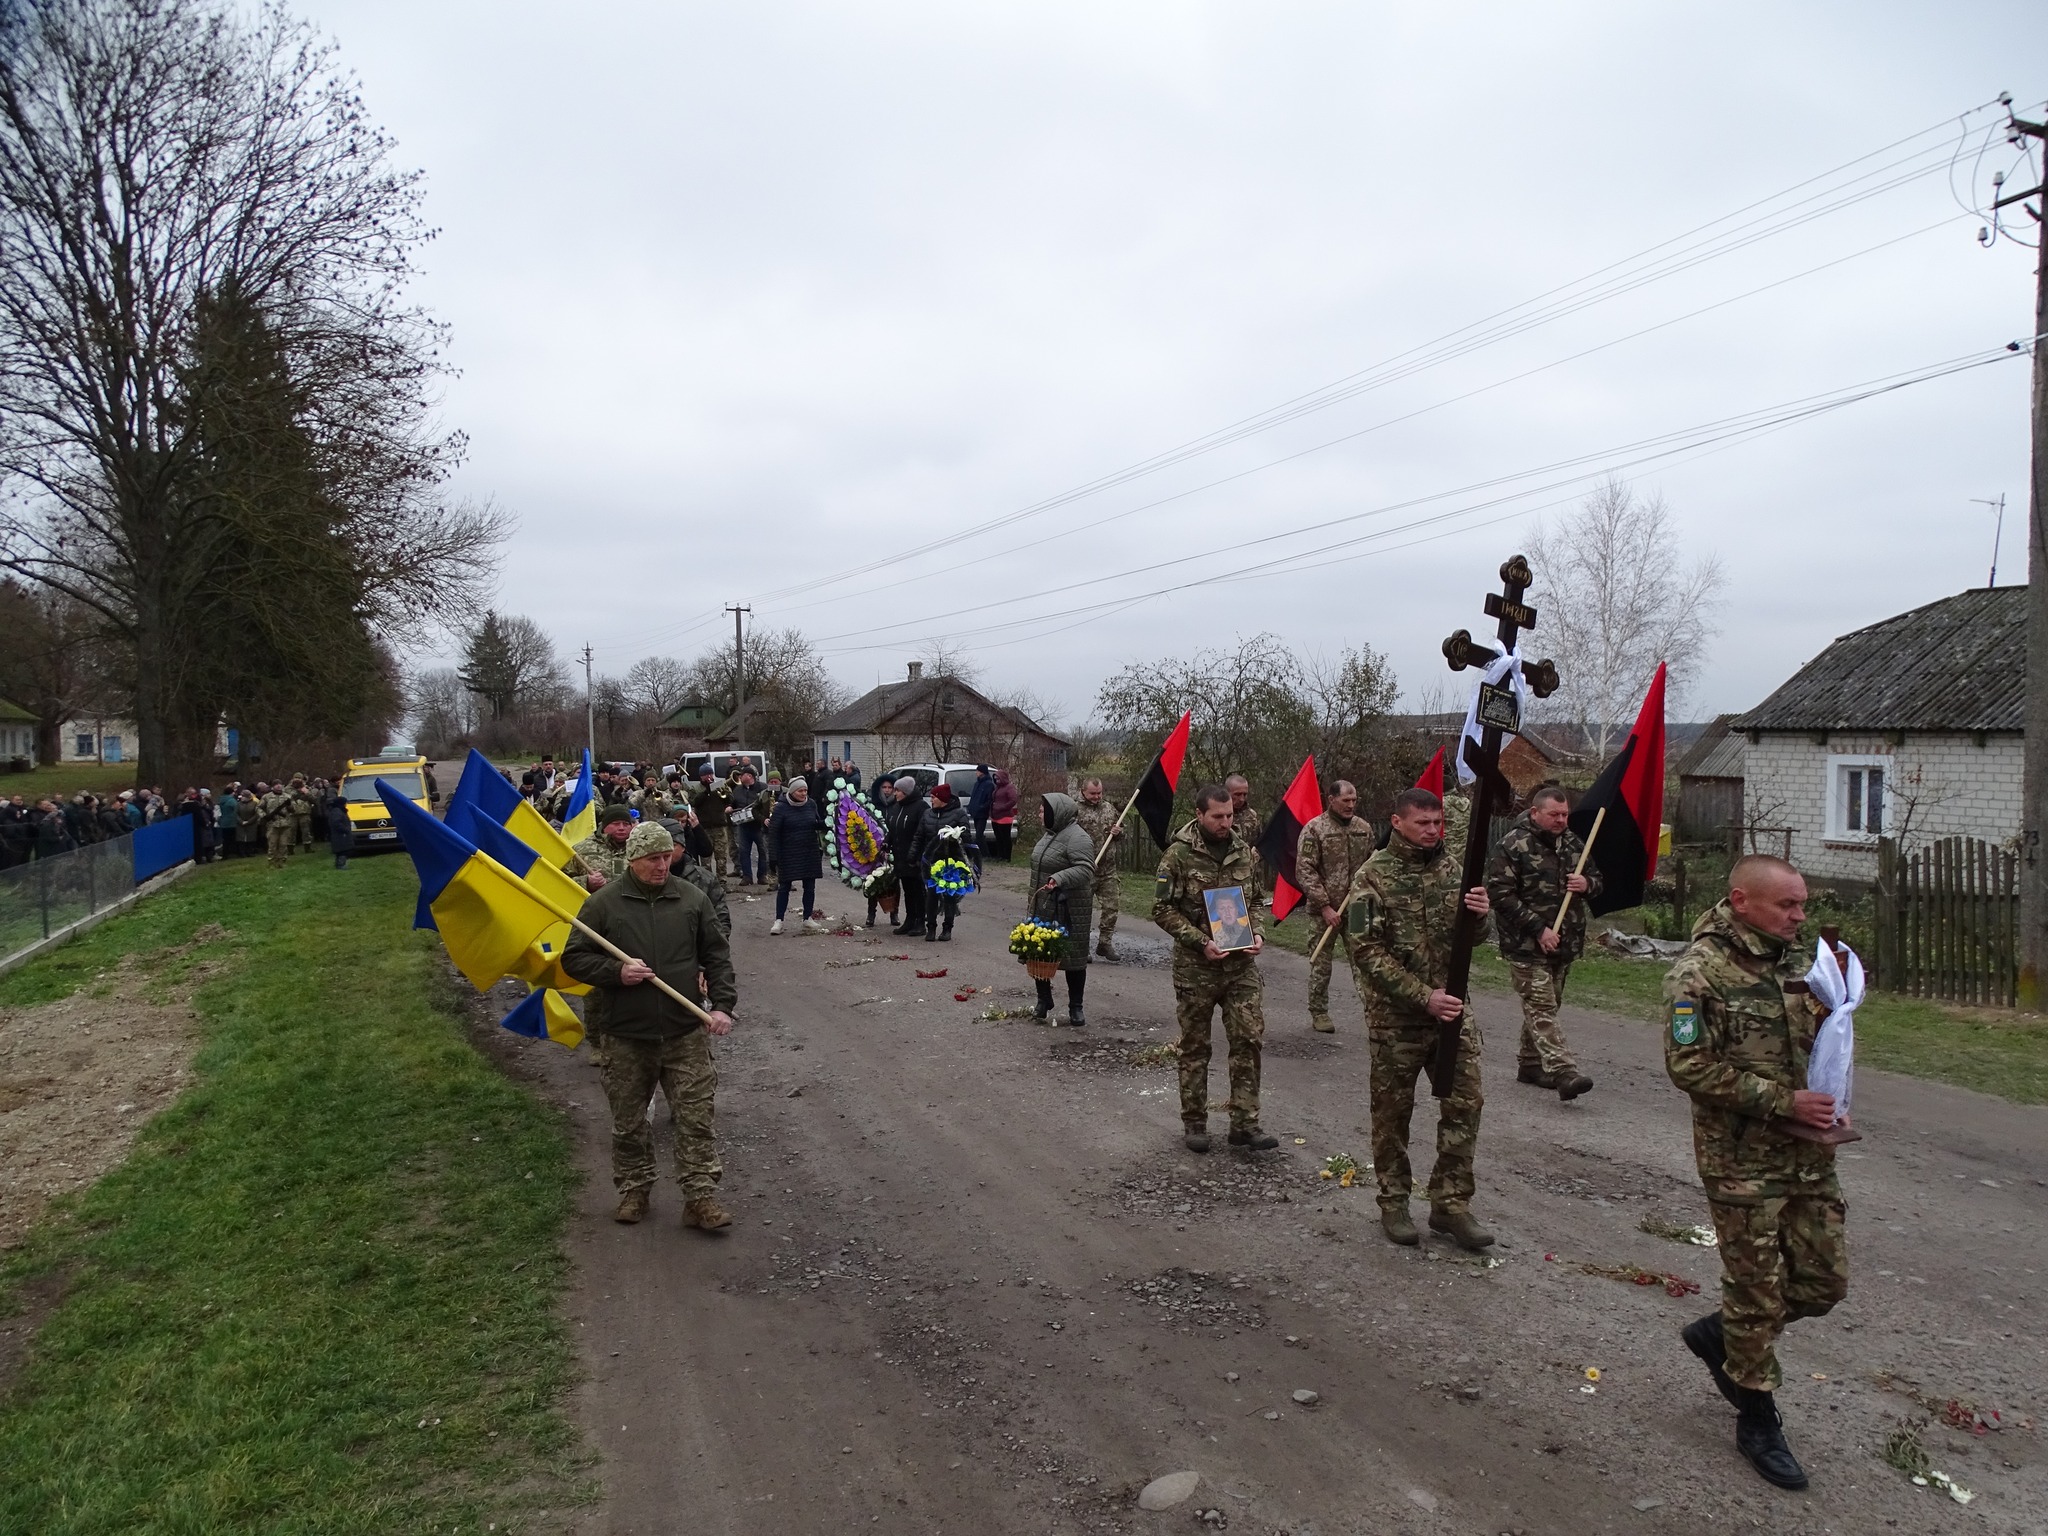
point(1615, 598)
point(155, 154)
point(946, 658)
point(656, 685)
point(788, 689)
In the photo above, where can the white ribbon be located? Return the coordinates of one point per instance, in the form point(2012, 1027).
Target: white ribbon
point(1503, 668)
point(1831, 1069)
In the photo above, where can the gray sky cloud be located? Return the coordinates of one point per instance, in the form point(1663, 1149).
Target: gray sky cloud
point(761, 295)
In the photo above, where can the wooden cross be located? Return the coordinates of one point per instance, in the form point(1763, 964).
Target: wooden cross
point(1499, 715)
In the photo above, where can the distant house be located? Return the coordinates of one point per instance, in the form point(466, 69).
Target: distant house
point(17, 735)
point(1909, 729)
point(1525, 762)
point(97, 739)
point(1710, 783)
point(742, 728)
point(687, 727)
point(941, 719)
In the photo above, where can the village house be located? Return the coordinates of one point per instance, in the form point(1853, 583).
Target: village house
point(17, 736)
point(1908, 729)
point(1710, 783)
point(941, 719)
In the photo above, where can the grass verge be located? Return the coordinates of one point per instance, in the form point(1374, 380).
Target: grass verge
point(320, 1294)
point(1992, 1052)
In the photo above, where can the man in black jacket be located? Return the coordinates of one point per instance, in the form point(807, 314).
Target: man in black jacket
point(906, 817)
point(669, 929)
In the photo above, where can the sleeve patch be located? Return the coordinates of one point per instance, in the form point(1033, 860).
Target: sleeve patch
point(1161, 888)
point(1358, 922)
point(1685, 1022)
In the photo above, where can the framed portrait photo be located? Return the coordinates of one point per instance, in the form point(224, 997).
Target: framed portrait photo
point(1230, 919)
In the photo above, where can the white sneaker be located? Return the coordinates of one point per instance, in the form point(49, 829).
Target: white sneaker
point(778, 926)
point(812, 925)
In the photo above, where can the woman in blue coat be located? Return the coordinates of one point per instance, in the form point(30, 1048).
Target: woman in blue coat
point(796, 842)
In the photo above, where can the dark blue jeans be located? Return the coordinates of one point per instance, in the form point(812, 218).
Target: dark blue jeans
point(782, 898)
point(750, 857)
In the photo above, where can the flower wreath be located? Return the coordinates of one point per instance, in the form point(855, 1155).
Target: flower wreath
point(856, 842)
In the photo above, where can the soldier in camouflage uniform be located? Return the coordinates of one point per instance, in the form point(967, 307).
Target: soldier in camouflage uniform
point(302, 808)
point(601, 857)
point(1208, 855)
point(1528, 879)
point(249, 825)
point(1404, 909)
point(685, 865)
point(1098, 818)
point(275, 816)
point(1332, 849)
point(1741, 1026)
point(650, 799)
point(711, 800)
point(1248, 824)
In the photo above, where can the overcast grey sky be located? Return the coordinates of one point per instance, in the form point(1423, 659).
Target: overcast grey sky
point(745, 298)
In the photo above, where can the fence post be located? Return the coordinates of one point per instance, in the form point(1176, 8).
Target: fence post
point(43, 892)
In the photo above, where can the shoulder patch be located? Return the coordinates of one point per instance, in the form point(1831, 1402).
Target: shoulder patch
point(1161, 888)
point(1685, 1022)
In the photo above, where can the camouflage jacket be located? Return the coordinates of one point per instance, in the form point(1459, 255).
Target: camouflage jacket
point(712, 802)
point(303, 803)
point(272, 806)
point(1098, 820)
point(600, 853)
point(1248, 824)
point(652, 804)
point(1736, 1041)
point(1526, 884)
point(1404, 911)
point(1329, 855)
point(700, 874)
point(1190, 867)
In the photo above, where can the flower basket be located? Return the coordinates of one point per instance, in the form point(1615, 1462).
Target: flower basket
point(887, 902)
point(1041, 945)
point(1041, 970)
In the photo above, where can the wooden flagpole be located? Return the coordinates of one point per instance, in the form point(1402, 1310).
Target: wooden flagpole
point(1342, 907)
point(1116, 825)
point(1585, 853)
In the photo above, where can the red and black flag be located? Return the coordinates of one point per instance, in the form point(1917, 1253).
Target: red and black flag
point(1631, 790)
point(1156, 790)
point(1433, 776)
point(1302, 804)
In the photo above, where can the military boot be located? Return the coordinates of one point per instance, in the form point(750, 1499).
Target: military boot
point(1703, 1337)
point(1195, 1135)
point(1322, 1024)
point(1460, 1227)
point(1106, 951)
point(1535, 1077)
point(707, 1213)
point(1250, 1136)
point(1573, 1083)
point(1399, 1225)
point(632, 1206)
point(1760, 1435)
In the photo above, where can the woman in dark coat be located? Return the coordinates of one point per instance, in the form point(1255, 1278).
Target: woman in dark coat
point(942, 810)
point(341, 837)
point(796, 836)
point(1002, 810)
point(1063, 890)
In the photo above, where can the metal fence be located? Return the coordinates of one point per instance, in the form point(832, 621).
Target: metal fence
point(1948, 921)
point(43, 897)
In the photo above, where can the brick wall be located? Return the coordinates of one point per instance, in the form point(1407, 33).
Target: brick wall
point(1957, 788)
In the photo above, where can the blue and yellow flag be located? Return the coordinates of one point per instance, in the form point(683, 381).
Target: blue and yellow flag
point(579, 817)
point(545, 1014)
point(488, 917)
point(543, 964)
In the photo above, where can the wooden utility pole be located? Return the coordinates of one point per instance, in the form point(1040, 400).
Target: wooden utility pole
point(2034, 743)
point(739, 676)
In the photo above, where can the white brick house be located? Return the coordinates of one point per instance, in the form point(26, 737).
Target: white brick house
point(1907, 729)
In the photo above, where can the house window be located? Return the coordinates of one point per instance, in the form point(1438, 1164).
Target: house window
point(85, 744)
point(1857, 792)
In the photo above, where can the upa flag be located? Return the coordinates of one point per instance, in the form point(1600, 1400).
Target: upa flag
point(1281, 840)
point(1156, 790)
point(1631, 790)
point(1433, 776)
point(579, 817)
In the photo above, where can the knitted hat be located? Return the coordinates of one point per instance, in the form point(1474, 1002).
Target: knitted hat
point(942, 793)
point(616, 811)
point(648, 838)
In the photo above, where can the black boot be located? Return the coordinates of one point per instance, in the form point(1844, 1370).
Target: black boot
point(1703, 1337)
point(1760, 1435)
point(1042, 1009)
point(930, 935)
point(1077, 983)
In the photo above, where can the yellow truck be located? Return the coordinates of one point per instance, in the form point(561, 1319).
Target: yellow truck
point(400, 767)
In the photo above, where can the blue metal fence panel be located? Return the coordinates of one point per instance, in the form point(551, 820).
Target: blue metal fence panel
point(164, 845)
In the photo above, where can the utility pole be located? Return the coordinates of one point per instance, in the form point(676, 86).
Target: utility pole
point(589, 711)
point(2034, 741)
point(1997, 532)
point(739, 675)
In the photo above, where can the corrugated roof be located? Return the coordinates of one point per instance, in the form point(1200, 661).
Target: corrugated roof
point(9, 710)
point(879, 705)
point(1714, 754)
point(1956, 665)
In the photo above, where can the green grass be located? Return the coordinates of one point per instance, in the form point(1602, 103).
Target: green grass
point(67, 779)
point(1990, 1051)
point(350, 1223)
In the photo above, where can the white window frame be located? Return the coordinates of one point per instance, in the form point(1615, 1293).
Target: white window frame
point(1838, 798)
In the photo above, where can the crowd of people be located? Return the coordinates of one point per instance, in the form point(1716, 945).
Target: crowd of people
point(275, 817)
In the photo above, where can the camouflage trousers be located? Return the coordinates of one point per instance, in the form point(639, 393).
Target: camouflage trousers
point(1319, 970)
point(721, 850)
point(278, 838)
point(1540, 985)
point(1109, 890)
point(302, 832)
point(681, 1066)
point(1400, 1052)
point(1781, 1259)
point(1198, 990)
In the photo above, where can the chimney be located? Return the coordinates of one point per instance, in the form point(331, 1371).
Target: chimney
point(916, 670)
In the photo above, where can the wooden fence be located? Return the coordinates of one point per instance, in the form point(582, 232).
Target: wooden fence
point(1948, 921)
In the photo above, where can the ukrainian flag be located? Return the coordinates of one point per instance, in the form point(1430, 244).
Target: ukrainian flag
point(543, 965)
point(579, 817)
point(483, 795)
point(545, 1015)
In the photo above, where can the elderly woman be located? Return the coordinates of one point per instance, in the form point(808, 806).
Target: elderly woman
point(1063, 889)
point(796, 842)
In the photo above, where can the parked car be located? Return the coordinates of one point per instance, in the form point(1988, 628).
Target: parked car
point(959, 777)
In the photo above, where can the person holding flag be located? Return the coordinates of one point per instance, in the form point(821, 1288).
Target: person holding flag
point(1334, 847)
point(1535, 874)
point(651, 1039)
point(600, 858)
point(1098, 818)
point(579, 812)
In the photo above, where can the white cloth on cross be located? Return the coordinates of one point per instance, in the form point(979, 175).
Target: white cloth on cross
point(1503, 668)
point(1831, 1068)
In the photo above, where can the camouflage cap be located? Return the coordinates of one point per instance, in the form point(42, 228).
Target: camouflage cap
point(618, 810)
point(648, 838)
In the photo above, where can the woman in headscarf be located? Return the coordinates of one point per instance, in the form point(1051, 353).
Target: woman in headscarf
point(1063, 890)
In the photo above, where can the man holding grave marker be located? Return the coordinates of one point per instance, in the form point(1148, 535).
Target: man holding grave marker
point(1531, 874)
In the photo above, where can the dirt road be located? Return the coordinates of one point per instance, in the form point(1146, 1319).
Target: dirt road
point(976, 1285)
